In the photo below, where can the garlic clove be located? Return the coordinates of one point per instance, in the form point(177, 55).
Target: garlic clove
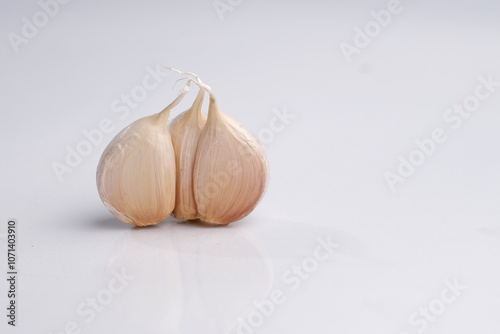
point(186, 129)
point(136, 173)
point(230, 171)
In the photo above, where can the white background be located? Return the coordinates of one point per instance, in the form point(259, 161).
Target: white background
point(352, 122)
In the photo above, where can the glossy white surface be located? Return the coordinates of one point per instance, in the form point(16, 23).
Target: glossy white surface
point(396, 253)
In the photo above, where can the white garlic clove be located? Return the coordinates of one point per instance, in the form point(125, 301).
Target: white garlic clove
point(231, 170)
point(186, 129)
point(136, 173)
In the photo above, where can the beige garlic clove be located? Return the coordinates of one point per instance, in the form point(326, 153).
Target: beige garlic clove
point(231, 171)
point(136, 173)
point(186, 129)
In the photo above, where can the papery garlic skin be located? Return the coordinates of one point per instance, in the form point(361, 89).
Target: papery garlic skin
point(186, 130)
point(231, 170)
point(136, 173)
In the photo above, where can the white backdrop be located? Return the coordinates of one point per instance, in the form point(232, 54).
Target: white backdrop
point(380, 121)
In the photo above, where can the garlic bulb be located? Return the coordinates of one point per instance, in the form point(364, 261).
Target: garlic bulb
point(230, 172)
point(136, 173)
point(186, 129)
point(210, 167)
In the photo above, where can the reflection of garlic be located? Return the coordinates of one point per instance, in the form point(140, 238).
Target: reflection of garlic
point(186, 129)
point(230, 172)
point(136, 173)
